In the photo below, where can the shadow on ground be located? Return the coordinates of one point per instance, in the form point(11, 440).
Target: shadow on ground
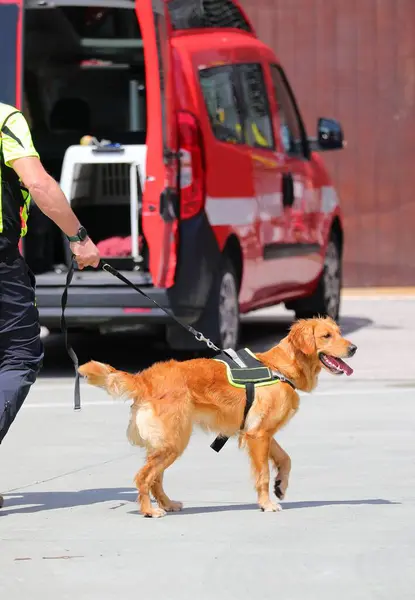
point(33, 502)
point(134, 352)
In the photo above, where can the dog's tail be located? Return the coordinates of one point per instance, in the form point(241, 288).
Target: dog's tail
point(118, 384)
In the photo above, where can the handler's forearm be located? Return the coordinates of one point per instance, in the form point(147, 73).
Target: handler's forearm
point(52, 202)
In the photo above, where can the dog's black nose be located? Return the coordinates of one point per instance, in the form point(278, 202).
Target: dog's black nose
point(352, 350)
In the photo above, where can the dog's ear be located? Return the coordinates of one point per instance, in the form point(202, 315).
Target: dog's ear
point(301, 336)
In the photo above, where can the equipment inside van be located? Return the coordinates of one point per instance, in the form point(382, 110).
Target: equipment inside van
point(85, 76)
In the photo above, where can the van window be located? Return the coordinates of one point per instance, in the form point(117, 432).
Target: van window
point(257, 118)
point(218, 88)
point(291, 127)
point(202, 14)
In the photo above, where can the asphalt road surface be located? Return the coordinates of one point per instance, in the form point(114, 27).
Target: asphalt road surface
point(70, 528)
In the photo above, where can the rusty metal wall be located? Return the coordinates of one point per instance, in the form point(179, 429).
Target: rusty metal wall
point(354, 60)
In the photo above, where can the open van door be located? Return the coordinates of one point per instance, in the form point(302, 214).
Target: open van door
point(160, 195)
point(11, 52)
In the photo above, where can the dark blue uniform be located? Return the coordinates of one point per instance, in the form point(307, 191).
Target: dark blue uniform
point(21, 350)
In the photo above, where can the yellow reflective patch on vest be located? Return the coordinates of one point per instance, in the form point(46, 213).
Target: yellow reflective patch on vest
point(25, 148)
point(24, 213)
point(1, 211)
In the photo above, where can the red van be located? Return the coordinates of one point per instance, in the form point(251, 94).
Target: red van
point(208, 192)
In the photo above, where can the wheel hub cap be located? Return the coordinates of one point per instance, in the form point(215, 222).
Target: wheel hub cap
point(228, 311)
point(332, 280)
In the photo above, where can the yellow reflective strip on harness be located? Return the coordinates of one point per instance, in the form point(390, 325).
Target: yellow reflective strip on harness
point(251, 353)
point(243, 385)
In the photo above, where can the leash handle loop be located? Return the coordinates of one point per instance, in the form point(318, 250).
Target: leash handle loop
point(64, 328)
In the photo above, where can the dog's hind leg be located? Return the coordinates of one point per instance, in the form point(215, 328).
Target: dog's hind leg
point(162, 499)
point(282, 462)
point(157, 462)
point(259, 449)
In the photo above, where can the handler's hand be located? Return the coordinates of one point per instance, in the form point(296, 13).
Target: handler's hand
point(86, 253)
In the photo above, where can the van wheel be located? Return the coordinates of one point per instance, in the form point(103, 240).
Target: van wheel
point(326, 299)
point(228, 308)
point(220, 320)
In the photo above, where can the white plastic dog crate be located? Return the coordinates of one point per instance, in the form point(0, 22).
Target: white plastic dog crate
point(107, 177)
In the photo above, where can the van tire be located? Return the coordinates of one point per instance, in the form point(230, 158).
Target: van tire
point(325, 301)
point(220, 320)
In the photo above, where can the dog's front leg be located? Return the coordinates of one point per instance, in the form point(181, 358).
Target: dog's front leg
point(282, 462)
point(259, 449)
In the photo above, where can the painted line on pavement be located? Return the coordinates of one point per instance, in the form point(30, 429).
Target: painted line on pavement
point(374, 292)
point(363, 392)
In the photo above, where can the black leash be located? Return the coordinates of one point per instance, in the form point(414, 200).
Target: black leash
point(109, 269)
point(64, 328)
point(196, 334)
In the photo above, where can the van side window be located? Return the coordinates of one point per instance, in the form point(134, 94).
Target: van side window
point(257, 118)
point(218, 88)
point(291, 131)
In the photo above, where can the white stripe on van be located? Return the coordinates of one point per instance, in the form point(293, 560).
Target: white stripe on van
point(329, 199)
point(231, 210)
point(243, 211)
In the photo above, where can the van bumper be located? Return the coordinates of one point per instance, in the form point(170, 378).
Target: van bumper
point(91, 308)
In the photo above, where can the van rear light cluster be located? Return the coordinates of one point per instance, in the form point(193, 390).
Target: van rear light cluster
point(192, 178)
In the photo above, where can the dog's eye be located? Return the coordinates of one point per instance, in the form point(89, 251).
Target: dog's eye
point(327, 336)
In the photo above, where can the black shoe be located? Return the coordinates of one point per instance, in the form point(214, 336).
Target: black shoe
point(1, 501)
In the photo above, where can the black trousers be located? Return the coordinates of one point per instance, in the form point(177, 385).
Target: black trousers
point(21, 350)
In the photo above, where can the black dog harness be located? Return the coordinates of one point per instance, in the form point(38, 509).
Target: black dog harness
point(244, 370)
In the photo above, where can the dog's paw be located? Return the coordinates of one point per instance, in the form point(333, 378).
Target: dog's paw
point(271, 507)
point(173, 506)
point(277, 489)
point(155, 513)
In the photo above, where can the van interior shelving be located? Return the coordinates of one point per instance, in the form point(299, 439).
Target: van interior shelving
point(84, 75)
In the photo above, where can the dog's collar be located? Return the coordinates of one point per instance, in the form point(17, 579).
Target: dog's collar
point(282, 378)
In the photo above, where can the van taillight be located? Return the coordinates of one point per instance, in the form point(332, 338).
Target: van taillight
point(192, 180)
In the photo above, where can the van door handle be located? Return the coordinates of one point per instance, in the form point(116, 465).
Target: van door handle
point(287, 189)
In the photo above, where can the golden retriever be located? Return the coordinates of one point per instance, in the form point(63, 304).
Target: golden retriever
point(170, 397)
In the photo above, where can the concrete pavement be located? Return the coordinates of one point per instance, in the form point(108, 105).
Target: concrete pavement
point(70, 527)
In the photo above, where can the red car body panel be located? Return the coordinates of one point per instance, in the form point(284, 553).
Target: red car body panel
point(242, 200)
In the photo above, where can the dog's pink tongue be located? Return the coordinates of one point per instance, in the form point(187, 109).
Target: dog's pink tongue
point(344, 367)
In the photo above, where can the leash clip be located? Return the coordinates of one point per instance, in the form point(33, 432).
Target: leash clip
point(201, 338)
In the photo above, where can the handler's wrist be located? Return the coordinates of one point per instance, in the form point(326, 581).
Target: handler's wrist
point(80, 236)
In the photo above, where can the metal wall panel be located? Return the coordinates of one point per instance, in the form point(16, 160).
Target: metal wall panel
point(355, 60)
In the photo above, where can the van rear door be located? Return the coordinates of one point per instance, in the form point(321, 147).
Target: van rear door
point(160, 196)
point(10, 52)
